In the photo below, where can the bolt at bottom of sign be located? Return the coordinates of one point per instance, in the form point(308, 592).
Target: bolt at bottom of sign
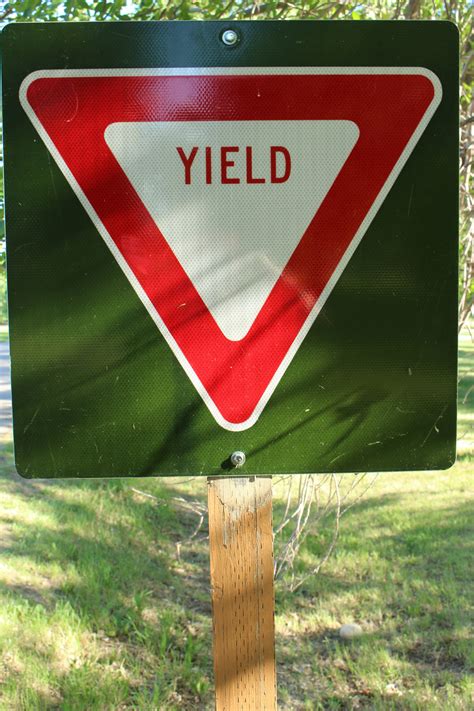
point(237, 459)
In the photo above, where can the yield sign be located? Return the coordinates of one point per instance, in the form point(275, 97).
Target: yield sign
point(233, 198)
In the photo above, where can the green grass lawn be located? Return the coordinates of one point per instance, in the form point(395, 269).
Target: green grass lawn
point(102, 608)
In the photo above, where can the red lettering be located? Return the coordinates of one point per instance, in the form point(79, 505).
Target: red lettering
point(187, 162)
point(280, 165)
point(249, 165)
point(208, 165)
point(226, 163)
point(273, 164)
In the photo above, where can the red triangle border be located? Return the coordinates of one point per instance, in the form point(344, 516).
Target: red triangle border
point(396, 108)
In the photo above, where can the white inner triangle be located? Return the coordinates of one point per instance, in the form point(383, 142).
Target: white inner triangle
point(233, 240)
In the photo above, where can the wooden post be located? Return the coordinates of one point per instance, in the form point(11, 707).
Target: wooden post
point(241, 550)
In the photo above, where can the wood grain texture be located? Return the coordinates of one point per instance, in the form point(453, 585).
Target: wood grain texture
point(241, 551)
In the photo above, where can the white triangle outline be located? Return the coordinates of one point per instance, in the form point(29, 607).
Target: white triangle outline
point(201, 71)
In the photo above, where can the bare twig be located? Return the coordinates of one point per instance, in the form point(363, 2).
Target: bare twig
point(194, 507)
point(332, 545)
point(316, 498)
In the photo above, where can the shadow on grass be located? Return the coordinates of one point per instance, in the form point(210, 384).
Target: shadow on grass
point(115, 563)
point(110, 557)
point(407, 579)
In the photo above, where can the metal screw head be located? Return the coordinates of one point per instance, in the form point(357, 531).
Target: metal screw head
point(237, 459)
point(230, 37)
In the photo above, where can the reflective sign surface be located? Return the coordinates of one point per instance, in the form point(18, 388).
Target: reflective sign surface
point(213, 249)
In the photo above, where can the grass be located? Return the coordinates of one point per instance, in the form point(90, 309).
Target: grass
point(101, 608)
point(96, 609)
point(403, 571)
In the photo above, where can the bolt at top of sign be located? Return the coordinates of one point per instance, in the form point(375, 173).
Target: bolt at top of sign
point(230, 37)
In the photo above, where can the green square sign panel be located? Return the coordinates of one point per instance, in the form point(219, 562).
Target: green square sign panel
point(231, 241)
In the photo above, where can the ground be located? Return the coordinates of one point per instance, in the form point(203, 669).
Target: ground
point(105, 601)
